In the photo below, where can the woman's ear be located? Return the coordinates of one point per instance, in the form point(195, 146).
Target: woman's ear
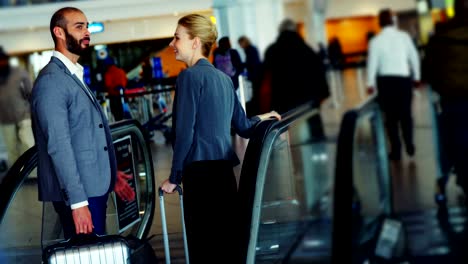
point(196, 43)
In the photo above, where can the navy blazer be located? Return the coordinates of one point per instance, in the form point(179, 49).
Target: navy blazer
point(205, 108)
point(76, 158)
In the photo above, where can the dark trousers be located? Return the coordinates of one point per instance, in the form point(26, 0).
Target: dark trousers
point(395, 95)
point(454, 139)
point(116, 108)
point(210, 209)
point(97, 206)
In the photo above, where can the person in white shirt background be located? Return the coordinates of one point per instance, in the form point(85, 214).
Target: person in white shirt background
point(393, 68)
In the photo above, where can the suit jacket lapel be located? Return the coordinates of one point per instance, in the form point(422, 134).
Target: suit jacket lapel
point(80, 84)
point(86, 90)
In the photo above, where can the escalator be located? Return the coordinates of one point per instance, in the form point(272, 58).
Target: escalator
point(285, 190)
point(295, 192)
point(296, 189)
point(27, 225)
point(379, 233)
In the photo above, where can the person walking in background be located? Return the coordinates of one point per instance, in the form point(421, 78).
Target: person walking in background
point(15, 120)
point(286, 84)
point(76, 160)
point(335, 54)
point(228, 60)
point(115, 80)
point(205, 108)
point(253, 65)
point(444, 68)
point(393, 67)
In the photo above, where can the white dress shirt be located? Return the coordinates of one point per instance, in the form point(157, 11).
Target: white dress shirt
point(76, 69)
point(392, 53)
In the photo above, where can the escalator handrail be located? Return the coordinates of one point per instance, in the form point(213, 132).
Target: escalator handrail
point(259, 146)
point(20, 170)
point(15, 177)
point(344, 174)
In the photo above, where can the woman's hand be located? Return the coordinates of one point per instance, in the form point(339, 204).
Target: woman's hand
point(167, 186)
point(272, 114)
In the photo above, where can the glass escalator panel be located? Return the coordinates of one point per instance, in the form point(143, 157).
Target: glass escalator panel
point(294, 188)
point(27, 225)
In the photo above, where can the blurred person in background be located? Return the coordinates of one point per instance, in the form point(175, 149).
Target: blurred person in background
point(115, 81)
point(393, 68)
point(335, 54)
point(286, 82)
point(445, 68)
point(15, 120)
point(253, 65)
point(227, 60)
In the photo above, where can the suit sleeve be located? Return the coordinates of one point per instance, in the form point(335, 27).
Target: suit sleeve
point(242, 125)
point(51, 106)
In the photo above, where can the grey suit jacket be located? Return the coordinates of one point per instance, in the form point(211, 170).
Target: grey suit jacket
point(76, 158)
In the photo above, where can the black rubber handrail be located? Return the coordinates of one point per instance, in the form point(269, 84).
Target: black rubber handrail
point(343, 184)
point(251, 163)
point(15, 177)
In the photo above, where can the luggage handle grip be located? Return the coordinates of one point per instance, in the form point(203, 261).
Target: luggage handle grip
point(177, 188)
point(83, 239)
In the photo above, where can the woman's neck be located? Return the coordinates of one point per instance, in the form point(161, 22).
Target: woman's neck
point(195, 59)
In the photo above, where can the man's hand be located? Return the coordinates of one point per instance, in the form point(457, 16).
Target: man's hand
point(168, 187)
point(83, 220)
point(122, 188)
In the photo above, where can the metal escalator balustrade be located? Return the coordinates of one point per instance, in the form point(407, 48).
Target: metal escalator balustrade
point(285, 188)
point(362, 178)
point(26, 225)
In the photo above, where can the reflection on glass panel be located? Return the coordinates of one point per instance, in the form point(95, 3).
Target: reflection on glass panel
point(142, 175)
point(296, 193)
point(20, 231)
point(365, 166)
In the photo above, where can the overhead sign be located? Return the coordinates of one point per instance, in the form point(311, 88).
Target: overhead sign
point(96, 27)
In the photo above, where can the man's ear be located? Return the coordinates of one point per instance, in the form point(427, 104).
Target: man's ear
point(59, 32)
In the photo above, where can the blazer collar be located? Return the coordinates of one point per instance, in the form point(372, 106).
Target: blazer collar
point(85, 89)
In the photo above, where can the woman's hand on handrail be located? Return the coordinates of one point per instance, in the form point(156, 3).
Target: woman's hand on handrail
point(271, 114)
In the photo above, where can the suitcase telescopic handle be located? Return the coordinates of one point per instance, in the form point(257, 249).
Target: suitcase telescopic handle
point(164, 225)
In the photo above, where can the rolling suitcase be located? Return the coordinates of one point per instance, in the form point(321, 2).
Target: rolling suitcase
point(164, 226)
point(88, 249)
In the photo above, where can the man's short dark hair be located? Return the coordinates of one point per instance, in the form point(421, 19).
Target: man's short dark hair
point(58, 19)
point(385, 17)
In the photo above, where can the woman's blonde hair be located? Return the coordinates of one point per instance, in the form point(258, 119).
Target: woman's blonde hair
point(201, 27)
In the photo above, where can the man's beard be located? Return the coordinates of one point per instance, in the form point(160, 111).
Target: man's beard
point(74, 45)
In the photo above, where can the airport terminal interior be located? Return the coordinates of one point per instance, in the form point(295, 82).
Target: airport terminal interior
point(294, 188)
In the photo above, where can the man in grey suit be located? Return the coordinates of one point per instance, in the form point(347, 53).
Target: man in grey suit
point(76, 160)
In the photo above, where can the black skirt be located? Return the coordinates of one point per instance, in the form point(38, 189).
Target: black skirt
point(211, 211)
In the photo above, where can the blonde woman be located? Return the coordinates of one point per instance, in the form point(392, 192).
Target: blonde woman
point(205, 109)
